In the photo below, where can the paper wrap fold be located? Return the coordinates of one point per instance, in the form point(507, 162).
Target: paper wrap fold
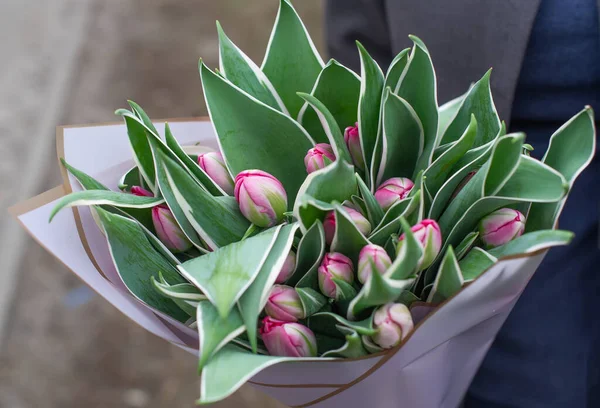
point(432, 368)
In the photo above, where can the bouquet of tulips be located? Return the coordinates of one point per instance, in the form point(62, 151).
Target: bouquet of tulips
point(339, 214)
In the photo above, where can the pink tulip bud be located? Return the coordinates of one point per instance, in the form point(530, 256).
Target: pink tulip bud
point(501, 226)
point(357, 218)
point(141, 192)
point(428, 233)
point(372, 256)
point(213, 164)
point(352, 139)
point(261, 197)
point(392, 191)
point(334, 265)
point(318, 157)
point(168, 231)
point(288, 339)
point(284, 304)
point(393, 323)
point(287, 270)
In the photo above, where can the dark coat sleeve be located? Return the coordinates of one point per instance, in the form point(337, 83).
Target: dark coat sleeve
point(347, 21)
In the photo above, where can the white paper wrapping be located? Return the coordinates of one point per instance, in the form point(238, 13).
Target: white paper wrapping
point(432, 368)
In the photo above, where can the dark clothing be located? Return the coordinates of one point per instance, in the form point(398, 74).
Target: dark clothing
point(546, 59)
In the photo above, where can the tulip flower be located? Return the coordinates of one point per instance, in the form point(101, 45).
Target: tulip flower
point(284, 304)
point(140, 191)
point(428, 233)
point(288, 339)
point(261, 197)
point(501, 226)
point(168, 231)
point(372, 258)
point(334, 265)
point(392, 191)
point(287, 270)
point(213, 164)
point(318, 157)
point(352, 139)
point(357, 218)
point(393, 322)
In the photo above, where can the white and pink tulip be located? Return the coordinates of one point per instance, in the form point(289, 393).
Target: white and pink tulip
point(288, 339)
point(501, 226)
point(261, 197)
point(213, 165)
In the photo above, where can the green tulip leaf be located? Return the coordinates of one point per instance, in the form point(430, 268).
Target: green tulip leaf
point(292, 62)
point(404, 209)
point(418, 87)
point(310, 210)
point(447, 112)
point(338, 88)
point(382, 289)
point(140, 114)
point(466, 244)
point(402, 139)
point(449, 279)
point(532, 242)
point(357, 203)
point(162, 186)
point(571, 150)
point(245, 74)
point(373, 210)
point(142, 216)
point(132, 178)
point(332, 130)
point(407, 298)
point(230, 368)
point(217, 220)
point(348, 239)
point(475, 263)
point(142, 154)
point(312, 301)
point(377, 291)
point(479, 103)
point(137, 261)
point(351, 349)
point(439, 171)
point(345, 292)
point(504, 159)
point(369, 104)
point(244, 126)
point(225, 274)
point(448, 189)
point(532, 181)
point(180, 291)
point(392, 79)
point(335, 182)
point(104, 197)
point(215, 331)
point(324, 321)
point(192, 165)
point(255, 297)
point(396, 68)
point(310, 252)
point(86, 181)
point(407, 262)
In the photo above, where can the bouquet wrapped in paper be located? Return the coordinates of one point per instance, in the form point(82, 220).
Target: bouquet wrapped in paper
point(333, 239)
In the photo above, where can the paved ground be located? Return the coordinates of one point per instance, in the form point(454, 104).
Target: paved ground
point(75, 61)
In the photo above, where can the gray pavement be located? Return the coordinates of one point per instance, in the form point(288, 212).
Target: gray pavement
point(75, 61)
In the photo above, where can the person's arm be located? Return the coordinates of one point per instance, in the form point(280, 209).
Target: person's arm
point(364, 20)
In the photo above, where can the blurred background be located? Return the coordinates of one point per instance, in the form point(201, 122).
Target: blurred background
point(75, 62)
